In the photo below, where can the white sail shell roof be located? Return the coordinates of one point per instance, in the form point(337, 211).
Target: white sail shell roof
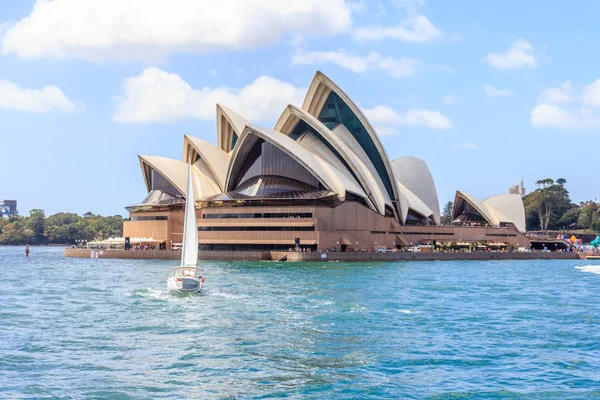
point(411, 201)
point(415, 176)
point(326, 173)
point(175, 172)
point(345, 144)
point(508, 208)
point(318, 91)
point(228, 123)
point(504, 208)
point(213, 161)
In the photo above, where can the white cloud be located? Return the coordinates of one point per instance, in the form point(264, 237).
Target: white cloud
point(493, 92)
point(557, 95)
point(465, 146)
point(396, 67)
point(152, 29)
point(417, 28)
point(591, 94)
point(451, 99)
point(519, 55)
point(159, 96)
point(554, 116)
point(49, 98)
point(385, 119)
point(561, 107)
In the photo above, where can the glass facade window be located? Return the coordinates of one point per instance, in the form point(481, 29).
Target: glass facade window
point(352, 197)
point(302, 127)
point(265, 186)
point(255, 228)
point(467, 214)
point(389, 211)
point(266, 159)
point(414, 218)
point(258, 215)
point(234, 138)
point(152, 218)
point(159, 182)
point(336, 112)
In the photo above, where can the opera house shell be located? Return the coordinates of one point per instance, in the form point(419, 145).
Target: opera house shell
point(319, 179)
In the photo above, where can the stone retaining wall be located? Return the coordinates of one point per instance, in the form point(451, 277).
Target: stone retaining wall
point(435, 256)
point(333, 256)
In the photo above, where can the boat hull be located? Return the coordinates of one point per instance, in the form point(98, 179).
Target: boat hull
point(184, 284)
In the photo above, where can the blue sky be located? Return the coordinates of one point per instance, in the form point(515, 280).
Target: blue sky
point(484, 92)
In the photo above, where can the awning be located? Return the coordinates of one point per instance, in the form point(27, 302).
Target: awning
point(345, 241)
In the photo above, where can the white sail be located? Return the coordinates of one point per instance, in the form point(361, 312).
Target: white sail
point(189, 254)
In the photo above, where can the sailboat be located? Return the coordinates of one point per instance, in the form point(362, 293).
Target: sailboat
point(188, 278)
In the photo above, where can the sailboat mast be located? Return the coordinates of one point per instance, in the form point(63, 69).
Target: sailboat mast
point(189, 254)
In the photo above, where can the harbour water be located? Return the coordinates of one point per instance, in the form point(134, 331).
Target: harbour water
point(89, 328)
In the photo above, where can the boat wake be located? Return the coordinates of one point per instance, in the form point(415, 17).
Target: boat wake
point(594, 269)
point(149, 293)
point(404, 311)
point(229, 295)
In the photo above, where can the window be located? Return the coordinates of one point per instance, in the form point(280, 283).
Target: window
point(159, 182)
point(337, 112)
point(264, 159)
point(265, 186)
point(259, 215)
point(301, 127)
point(354, 198)
point(467, 214)
point(151, 218)
point(414, 218)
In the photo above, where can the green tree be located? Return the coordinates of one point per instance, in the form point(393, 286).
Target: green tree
point(570, 218)
point(595, 221)
point(584, 221)
point(447, 213)
point(546, 205)
point(561, 181)
point(544, 183)
point(35, 223)
point(59, 228)
point(15, 231)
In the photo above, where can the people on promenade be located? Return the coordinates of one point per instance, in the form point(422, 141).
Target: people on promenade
point(27, 251)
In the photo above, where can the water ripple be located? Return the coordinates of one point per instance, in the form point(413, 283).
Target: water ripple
point(440, 330)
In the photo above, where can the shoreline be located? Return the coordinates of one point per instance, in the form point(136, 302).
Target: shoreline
point(314, 257)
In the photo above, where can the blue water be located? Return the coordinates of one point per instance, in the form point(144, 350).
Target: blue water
point(88, 328)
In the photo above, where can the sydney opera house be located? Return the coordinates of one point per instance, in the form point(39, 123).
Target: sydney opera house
point(319, 179)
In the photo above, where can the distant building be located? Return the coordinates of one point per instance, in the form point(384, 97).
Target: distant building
point(8, 208)
point(518, 189)
point(586, 203)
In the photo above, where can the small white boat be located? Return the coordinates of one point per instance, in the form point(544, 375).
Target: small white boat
point(188, 278)
point(185, 280)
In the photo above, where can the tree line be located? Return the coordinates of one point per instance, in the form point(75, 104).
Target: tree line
point(59, 228)
point(549, 207)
